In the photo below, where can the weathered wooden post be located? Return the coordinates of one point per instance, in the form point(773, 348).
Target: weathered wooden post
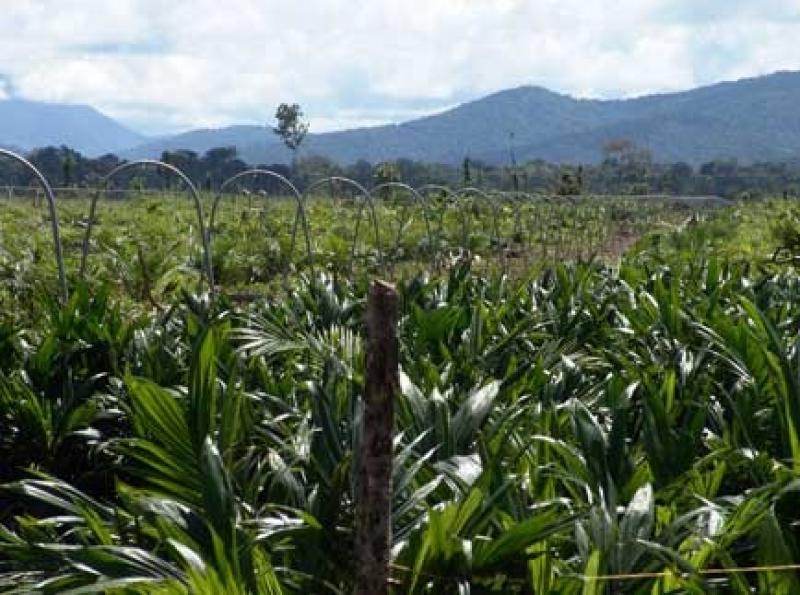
point(374, 491)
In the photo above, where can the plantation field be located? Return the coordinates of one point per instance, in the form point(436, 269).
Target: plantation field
point(147, 246)
point(596, 396)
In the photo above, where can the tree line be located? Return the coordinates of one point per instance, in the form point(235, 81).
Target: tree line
point(625, 169)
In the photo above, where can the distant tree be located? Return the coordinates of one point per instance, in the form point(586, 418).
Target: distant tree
point(217, 157)
point(570, 182)
point(361, 172)
point(626, 169)
point(628, 165)
point(186, 161)
point(291, 127)
point(98, 168)
point(218, 164)
point(50, 161)
point(513, 159)
point(270, 184)
point(307, 170)
point(385, 172)
point(467, 178)
point(67, 167)
point(679, 178)
point(164, 177)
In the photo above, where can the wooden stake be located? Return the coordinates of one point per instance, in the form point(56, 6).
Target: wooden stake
point(374, 491)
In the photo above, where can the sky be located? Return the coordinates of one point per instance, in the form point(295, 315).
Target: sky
point(163, 66)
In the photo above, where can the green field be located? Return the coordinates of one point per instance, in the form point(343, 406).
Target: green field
point(597, 396)
point(148, 245)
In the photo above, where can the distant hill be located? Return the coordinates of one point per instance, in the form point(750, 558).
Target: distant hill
point(751, 119)
point(30, 124)
point(479, 128)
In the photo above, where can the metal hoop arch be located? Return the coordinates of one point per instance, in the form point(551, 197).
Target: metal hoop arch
point(463, 194)
point(51, 202)
point(370, 204)
point(419, 199)
point(300, 213)
point(441, 188)
point(449, 194)
point(103, 185)
point(514, 199)
point(490, 199)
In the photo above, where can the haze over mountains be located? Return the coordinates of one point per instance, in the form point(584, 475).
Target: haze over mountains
point(29, 124)
point(753, 119)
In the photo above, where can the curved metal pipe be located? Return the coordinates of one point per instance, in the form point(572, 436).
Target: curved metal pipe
point(464, 193)
point(448, 192)
point(192, 191)
point(418, 198)
point(370, 203)
point(51, 201)
point(501, 198)
point(477, 192)
point(426, 187)
point(300, 213)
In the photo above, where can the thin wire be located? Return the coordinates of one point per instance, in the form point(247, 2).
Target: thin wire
point(638, 575)
point(699, 572)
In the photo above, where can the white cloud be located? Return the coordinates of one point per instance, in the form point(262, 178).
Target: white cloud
point(164, 66)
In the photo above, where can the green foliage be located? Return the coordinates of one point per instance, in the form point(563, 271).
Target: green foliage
point(291, 128)
point(552, 428)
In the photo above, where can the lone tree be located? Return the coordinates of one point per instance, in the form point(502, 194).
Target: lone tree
point(291, 127)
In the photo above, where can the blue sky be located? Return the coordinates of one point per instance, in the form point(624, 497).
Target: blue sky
point(165, 66)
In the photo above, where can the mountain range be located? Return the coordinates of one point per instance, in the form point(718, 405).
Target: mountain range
point(753, 119)
point(30, 124)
